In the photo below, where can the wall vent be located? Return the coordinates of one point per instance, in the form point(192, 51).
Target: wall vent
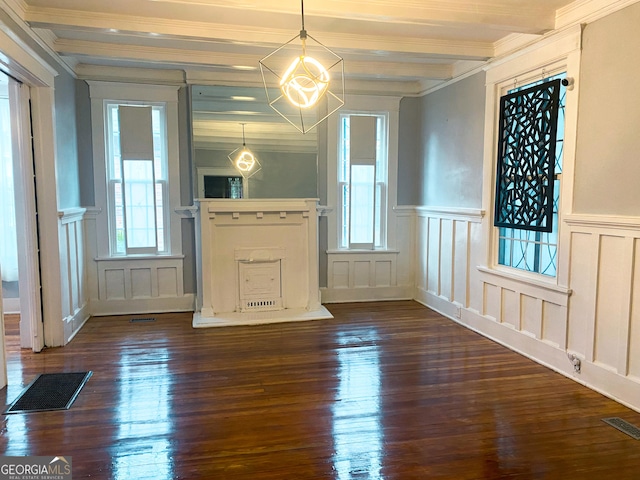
point(142, 320)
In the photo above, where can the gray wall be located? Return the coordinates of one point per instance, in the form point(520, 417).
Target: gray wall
point(409, 143)
point(68, 184)
point(187, 193)
point(608, 146)
point(67, 168)
point(449, 169)
point(85, 143)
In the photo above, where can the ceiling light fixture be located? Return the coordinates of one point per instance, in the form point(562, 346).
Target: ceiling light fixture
point(295, 88)
point(244, 160)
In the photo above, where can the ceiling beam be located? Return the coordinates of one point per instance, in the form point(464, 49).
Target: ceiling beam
point(58, 19)
point(173, 58)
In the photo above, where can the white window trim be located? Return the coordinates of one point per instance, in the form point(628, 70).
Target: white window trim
point(558, 52)
point(366, 105)
point(134, 94)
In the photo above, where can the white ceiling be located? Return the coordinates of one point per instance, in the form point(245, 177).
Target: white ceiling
point(389, 46)
point(410, 45)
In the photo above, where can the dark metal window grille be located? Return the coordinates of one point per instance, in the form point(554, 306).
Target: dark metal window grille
point(526, 158)
point(536, 251)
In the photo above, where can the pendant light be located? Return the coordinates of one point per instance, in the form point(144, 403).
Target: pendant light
point(304, 80)
point(244, 160)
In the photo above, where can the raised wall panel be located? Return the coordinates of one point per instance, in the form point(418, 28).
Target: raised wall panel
point(461, 262)
point(167, 281)
point(554, 324)
point(634, 325)
point(114, 284)
point(340, 274)
point(405, 268)
point(492, 301)
point(433, 256)
point(361, 273)
point(612, 300)
point(383, 273)
point(140, 282)
point(73, 263)
point(531, 316)
point(510, 313)
point(422, 235)
point(446, 259)
point(582, 280)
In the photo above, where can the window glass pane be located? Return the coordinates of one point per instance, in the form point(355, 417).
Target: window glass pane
point(118, 208)
point(362, 203)
point(157, 116)
point(115, 168)
point(159, 215)
point(139, 199)
point(343, 168)
point(344, 214)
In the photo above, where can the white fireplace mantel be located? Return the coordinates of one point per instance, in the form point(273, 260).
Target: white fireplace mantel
point(257, 262)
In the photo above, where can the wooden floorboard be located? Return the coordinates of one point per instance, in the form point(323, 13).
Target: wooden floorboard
point(386, 390)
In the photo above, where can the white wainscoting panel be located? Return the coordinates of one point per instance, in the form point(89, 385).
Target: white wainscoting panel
point(595, 317)
point(608, 287)
point(370, 275)
point(443, 253)
point(140, 285)
point(72, 271)
point(123, 286)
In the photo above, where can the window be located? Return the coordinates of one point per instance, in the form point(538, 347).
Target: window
point(362, 180)
point(529, 175)
point(137, 178)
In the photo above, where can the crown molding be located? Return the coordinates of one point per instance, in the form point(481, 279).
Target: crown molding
point(587, 11)
point(17, 11)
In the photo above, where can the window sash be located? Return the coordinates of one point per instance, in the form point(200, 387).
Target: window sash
point(353, 218)
point(138, 205)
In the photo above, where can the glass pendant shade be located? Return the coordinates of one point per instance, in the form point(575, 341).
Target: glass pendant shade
point(243, 160)
point(304, 81)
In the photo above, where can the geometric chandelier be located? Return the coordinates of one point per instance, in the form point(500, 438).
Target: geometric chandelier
point(244, 160)
point(304, 80)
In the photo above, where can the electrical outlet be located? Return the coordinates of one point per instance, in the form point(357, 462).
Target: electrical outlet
point(457, 312)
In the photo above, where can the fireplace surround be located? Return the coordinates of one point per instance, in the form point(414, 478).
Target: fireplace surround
point(257, 262)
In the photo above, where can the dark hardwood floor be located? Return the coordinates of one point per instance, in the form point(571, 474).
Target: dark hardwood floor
point(385, 390)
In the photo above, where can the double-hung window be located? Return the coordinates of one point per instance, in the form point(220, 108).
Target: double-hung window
point(362, 180)
point(137, 178)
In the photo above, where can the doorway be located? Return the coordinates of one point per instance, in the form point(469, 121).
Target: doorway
point(19, 260)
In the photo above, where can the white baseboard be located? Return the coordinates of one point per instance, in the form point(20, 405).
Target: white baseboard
point(101, 308)
point(365, 294)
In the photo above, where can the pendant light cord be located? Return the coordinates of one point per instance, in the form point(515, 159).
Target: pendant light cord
point(243, 142)
point(302, 10)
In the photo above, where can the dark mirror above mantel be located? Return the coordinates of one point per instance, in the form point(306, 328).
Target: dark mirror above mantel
point(288, 158)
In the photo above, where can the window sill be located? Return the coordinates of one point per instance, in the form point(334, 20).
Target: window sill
point(346, 251)
point(546, 291)
point(138, 257)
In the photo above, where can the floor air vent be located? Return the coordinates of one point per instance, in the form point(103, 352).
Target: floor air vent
point(142, 320)
point(623, 426)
